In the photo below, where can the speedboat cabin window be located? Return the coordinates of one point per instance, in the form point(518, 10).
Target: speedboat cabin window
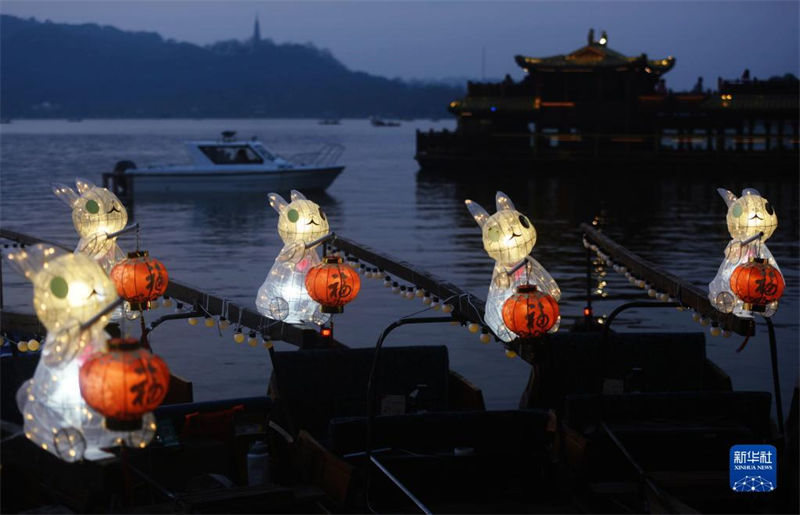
point(231, 154)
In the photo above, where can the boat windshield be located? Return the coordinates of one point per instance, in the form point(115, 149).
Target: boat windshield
point(264, 152)
point(231, 154)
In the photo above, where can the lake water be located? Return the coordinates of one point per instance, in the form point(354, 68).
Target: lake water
point(226, 245)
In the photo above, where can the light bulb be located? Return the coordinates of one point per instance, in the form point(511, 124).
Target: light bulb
point(510, 354)
point(485, 338)
point(473, 327)
point(224, 323)
point(33, 345)
point(209, 321)
point(192, 321)
point(238, 337)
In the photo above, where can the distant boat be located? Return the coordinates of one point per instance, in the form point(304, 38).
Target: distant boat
point(329, 121)
point(378, 122)
point(233, 165)
point(5, 120)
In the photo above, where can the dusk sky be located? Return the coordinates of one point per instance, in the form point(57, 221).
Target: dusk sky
point(439, 39)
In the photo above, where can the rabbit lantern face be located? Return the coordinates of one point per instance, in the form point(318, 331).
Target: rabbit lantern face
point(299, 221)
point(749, 214)
point(94, 210)
point(66, 287)
point(508, 235)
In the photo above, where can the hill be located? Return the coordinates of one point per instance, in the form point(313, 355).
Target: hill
point(60, 70)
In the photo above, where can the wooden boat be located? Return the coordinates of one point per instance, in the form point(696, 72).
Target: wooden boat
point(605, 425)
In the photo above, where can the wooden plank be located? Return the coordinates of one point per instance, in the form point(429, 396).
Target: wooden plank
point(300, 335)
point(468, 308)
point(684, 292)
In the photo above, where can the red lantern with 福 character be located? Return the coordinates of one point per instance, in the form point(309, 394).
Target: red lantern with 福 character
point(757, 283)
point(333, 284)
point(530, 313)
point(124, 383)
point(140, 279)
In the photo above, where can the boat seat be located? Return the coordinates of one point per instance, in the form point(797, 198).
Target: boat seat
point(572, 363)
point(487, 432)
point(312, 386)
point(688, 431)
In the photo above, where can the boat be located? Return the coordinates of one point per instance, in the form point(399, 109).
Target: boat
point(229, 164)
point(598, 109)
point(380, 122)
point(604, 425)
point(329, 121)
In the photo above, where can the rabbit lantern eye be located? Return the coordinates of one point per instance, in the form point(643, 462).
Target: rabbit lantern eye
point(768, 208)
point(92, 206)
point(737, 211)
point(59, 287)
point(524, 221)
point(293, 215)
point(493, 233)
point(322, 215)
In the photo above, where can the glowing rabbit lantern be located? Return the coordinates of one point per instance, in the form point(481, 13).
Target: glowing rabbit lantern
point(283, 296)
point(96, 212)
point(509, 237)
point(751, 221)
point(68, 291)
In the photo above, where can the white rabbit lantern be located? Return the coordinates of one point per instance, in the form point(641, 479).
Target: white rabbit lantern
point(748, 216)
point(283, 295)
point(68, 290)
point(96, 212)
point(509, 237)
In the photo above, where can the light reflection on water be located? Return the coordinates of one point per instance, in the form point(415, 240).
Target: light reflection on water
point(226, 245)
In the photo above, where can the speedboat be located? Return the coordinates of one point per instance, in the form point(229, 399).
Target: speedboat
point(232, 165)
point(379, 122)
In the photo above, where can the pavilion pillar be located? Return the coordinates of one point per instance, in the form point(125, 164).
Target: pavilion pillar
point(767, 135)
point(750, 126)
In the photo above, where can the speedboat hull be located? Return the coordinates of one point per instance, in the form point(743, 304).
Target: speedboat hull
point(191, 181)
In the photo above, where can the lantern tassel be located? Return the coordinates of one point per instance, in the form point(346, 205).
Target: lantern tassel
point(744, 344)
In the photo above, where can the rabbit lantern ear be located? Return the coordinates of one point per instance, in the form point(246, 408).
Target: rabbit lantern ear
point(503, 202)
point(277, 202)
point(728, 196)
point(83, 185)
point(478, 213)
point(296, 195)
point(30, 260)
point(65, 193)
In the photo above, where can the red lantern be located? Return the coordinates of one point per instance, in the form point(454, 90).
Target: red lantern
point(757, 283)
point(333, 284)
point(124, 383)
point(530, 313)
point(140, 279)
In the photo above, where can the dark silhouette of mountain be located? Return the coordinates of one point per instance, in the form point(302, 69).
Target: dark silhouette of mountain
point(60, 70)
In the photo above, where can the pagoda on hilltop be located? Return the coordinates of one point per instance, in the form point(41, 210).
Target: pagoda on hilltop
point(596, 106)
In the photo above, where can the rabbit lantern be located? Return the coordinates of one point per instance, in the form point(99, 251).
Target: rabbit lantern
point(748, 217)
point(283, 296)
point(509, 237)
point(68, 291)
point(96, 212)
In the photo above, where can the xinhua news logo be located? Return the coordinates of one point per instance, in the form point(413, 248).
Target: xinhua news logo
point(753, 468)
